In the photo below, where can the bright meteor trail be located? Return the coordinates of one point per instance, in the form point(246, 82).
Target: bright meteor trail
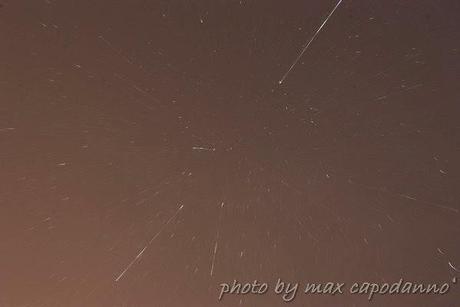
point(139, 255)
point(309, 42)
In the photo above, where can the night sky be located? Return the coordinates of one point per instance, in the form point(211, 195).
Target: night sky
point(149, 151)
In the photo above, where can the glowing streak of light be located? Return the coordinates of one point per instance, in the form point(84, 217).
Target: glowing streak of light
point(139, 255)
point(217, 240)
point(309, 42)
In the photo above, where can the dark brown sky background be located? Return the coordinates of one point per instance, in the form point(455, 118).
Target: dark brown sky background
point(113, 114)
